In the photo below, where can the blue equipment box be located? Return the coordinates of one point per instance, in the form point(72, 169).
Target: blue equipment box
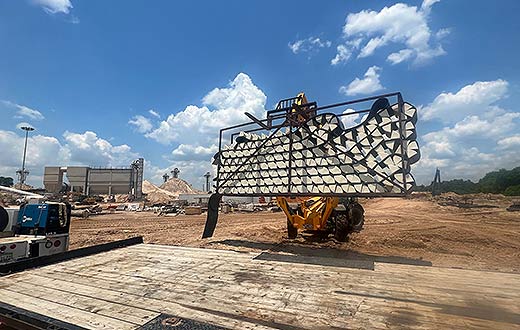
point(43, 219)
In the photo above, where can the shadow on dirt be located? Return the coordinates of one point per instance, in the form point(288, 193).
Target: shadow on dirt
point(321, 255)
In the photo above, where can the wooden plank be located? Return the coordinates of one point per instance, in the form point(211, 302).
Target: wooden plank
point(446, 321)
point(63, 312)
point(235, 303)
point(385, 287)
point(270, 288)
point(221, 292)
point(100, 306)
point(385, 283)
point(138, 298)
point(218, 294)
point(401, 281)
point(238, 291)
point(410, 271)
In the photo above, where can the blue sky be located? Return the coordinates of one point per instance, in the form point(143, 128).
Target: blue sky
point(106, 82)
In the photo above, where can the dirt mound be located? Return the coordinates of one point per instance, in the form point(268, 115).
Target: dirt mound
point(149, 187)
point(179, 186)
point(22, 186)
point(468, 201)
point(7, 199)
point(156, 195)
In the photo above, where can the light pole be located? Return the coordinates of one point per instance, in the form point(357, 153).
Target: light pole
point(207, 176)
point(23, 173)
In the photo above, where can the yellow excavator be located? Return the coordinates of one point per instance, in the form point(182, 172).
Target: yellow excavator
point(320, 214)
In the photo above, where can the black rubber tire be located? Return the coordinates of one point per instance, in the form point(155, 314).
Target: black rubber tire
point(292, 232)
point(356, 217)
point(341, 230)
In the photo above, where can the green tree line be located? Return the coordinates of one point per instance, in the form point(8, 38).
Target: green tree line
point(6, 181)
point(503, 181)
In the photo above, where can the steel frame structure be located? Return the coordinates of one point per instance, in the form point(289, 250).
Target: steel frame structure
point(291, 114)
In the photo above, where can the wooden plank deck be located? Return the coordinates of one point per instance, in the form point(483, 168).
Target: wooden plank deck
point(128, 287)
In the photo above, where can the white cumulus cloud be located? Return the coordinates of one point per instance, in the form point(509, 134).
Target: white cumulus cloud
point(368, 84)
point(24, 111)
point(310, 44)
point(222, 107)
point(477, 97)
point(478, 136)
point(400, 24)
point(55, 6)
point(89, 149)
point(40, 150)
point(509, 143)
point(154, 113)
point(141, 123)
point(75, 149)
point(344, 51)
point(400, 56)
point(342, 55)
point(350, 120)
point(194, 131)
point(194, 152)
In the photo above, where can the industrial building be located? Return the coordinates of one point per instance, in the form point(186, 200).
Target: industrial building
point(96, 180)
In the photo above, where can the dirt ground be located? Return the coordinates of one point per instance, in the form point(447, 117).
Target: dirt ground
point(412, 231)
